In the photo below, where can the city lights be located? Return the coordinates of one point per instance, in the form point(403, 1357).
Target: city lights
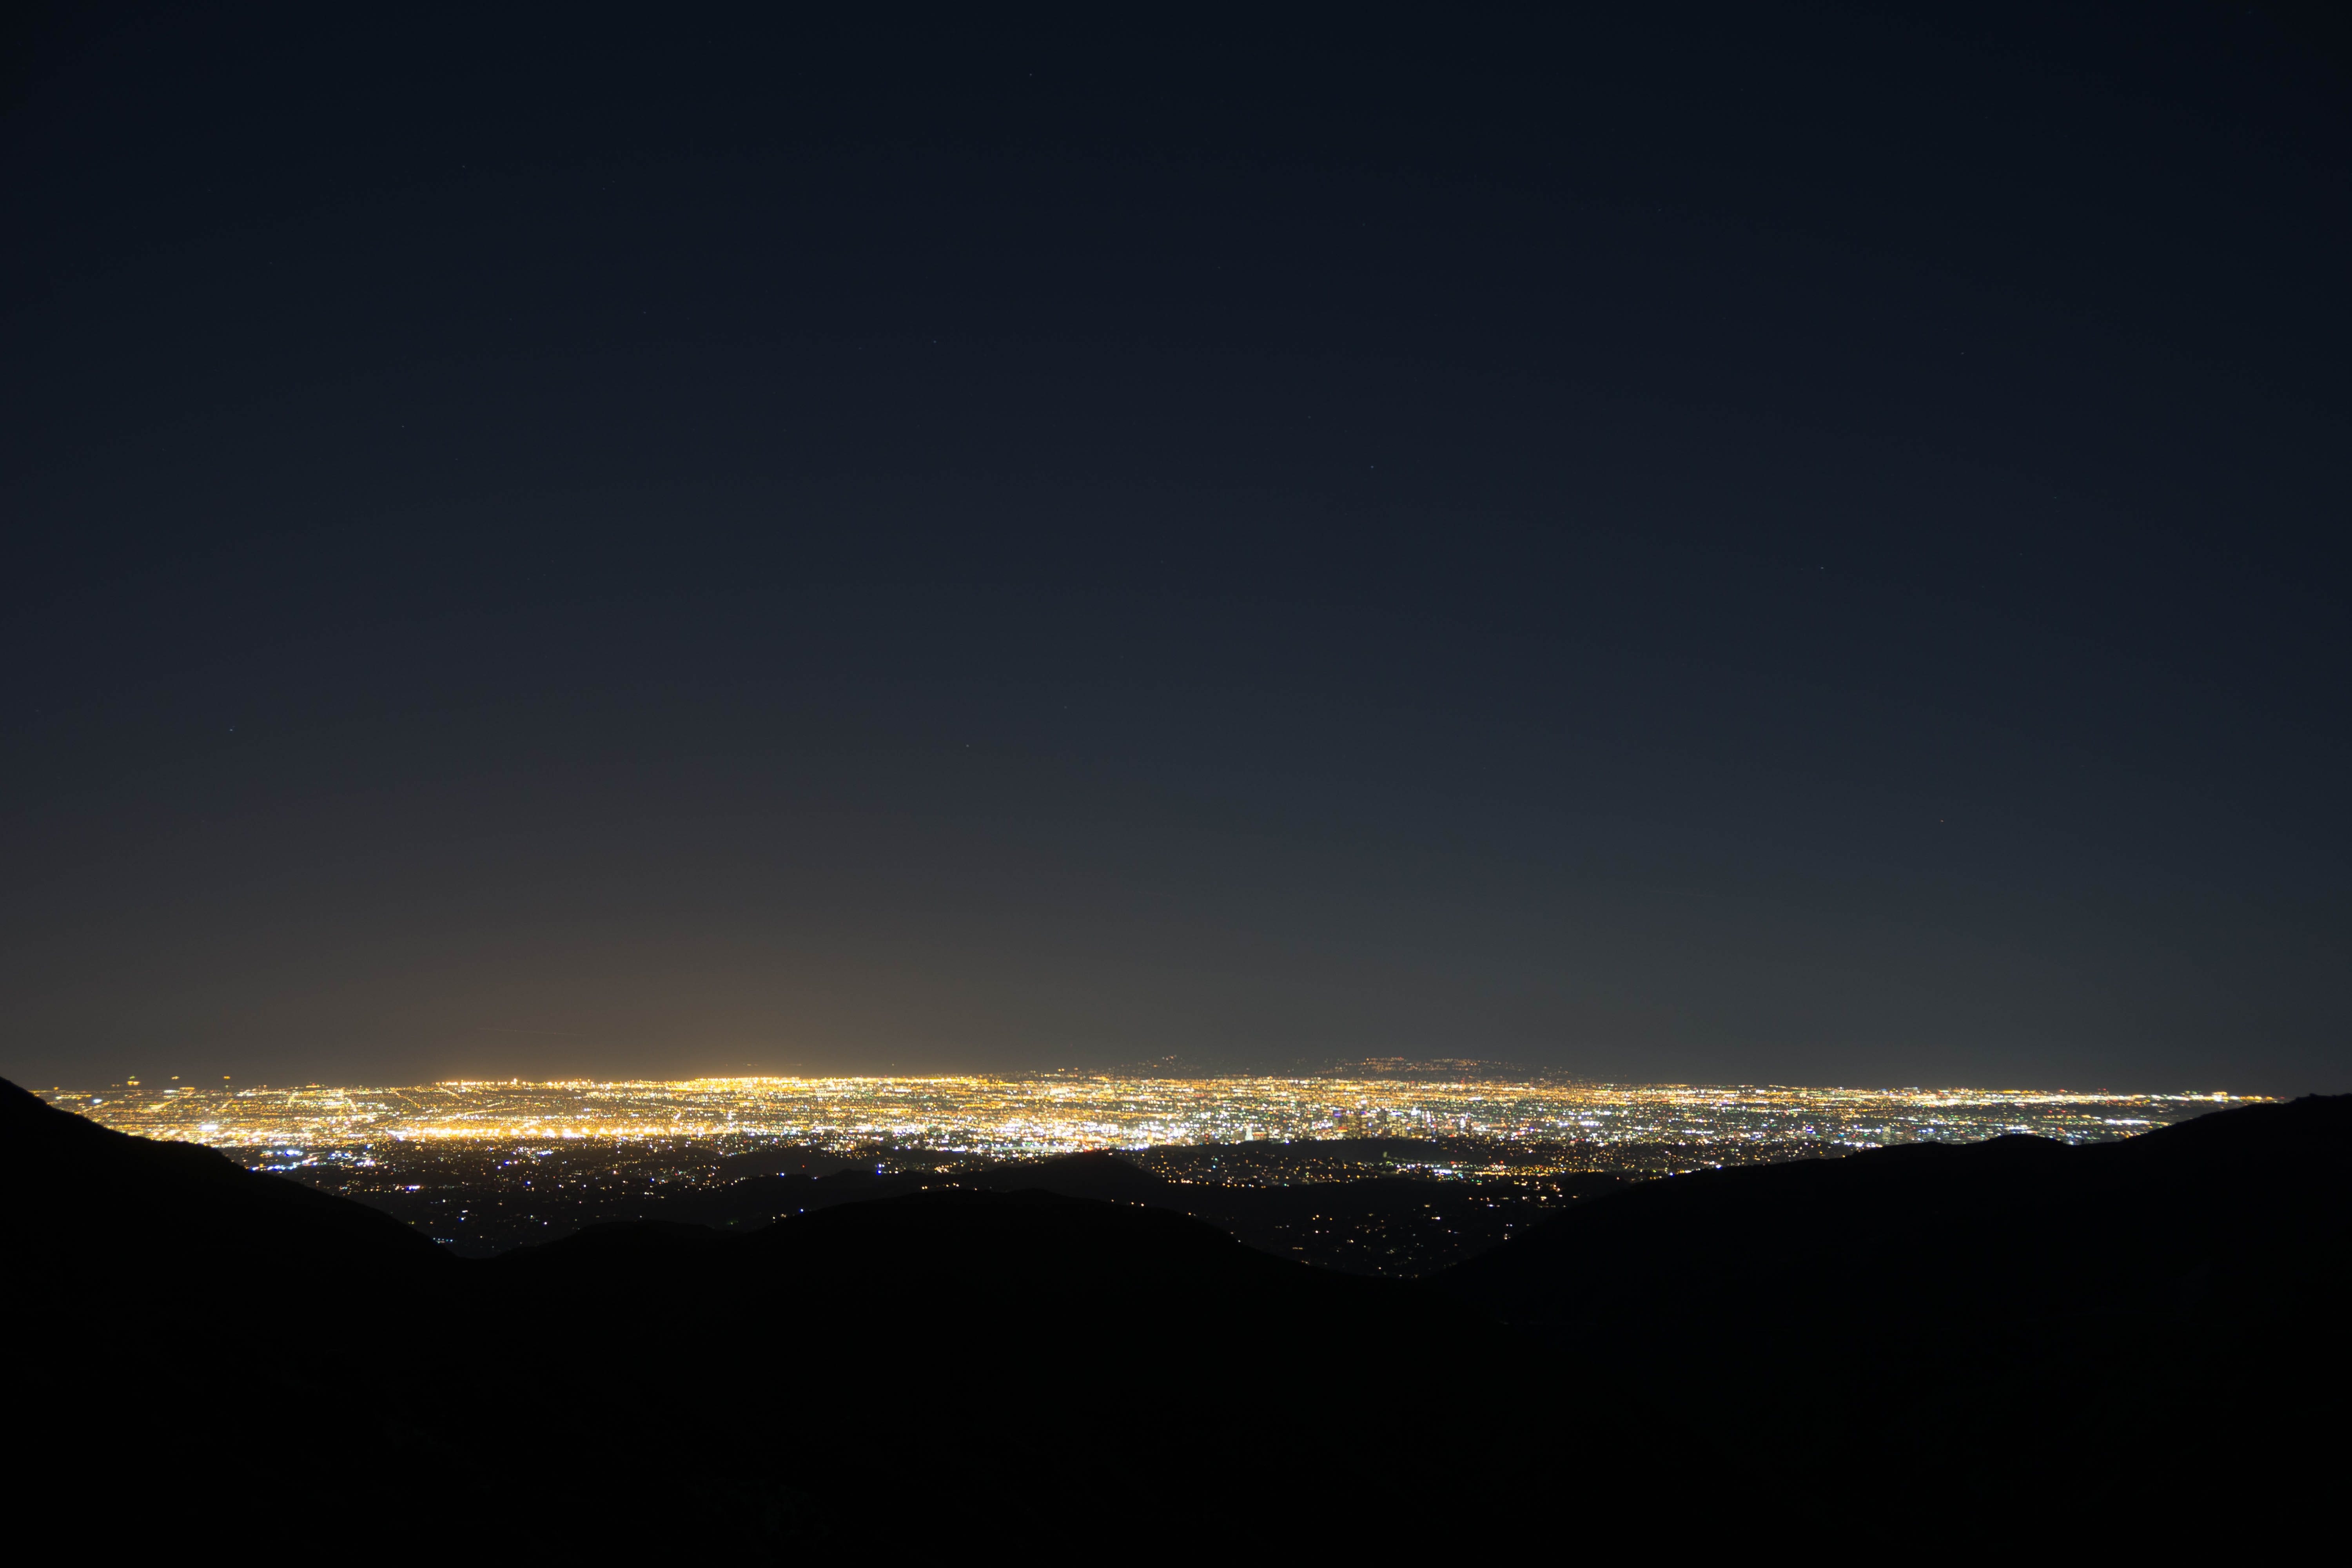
point(1527, 1122)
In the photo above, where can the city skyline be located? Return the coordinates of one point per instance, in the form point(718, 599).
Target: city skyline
point(1015, 1116)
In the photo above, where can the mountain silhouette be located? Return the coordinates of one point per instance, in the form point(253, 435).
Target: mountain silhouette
point(89, 1198)
point(797, 1361)
point(2121, 1324)
point(2017, 1226)
point(1393, 1225)
point(159, 1297)
point(2104, 1311)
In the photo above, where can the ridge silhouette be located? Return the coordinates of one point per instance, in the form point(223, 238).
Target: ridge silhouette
point(2122, 1324)
point(1395, 1225)
point(2019, 1224)
point(92, 1197)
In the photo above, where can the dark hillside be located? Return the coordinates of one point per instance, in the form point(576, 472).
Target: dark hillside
point(1398, 1226)
point(2186, 1282)
point(2120, 1325)
point(2021, 1225)
point(161, 1300)
point(1402, 1227)
point(160, 1211)
point(1360, 1205)
point(1066, 1362)
point(995, 1273)
point(926, 1359)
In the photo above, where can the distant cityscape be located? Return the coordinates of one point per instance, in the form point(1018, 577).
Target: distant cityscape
point(1394, 1168)
point(1518, 1127)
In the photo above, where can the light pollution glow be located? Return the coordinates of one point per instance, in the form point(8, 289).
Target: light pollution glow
point(1036, 1114)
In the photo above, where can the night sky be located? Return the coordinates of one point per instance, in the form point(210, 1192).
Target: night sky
point(1715, 543)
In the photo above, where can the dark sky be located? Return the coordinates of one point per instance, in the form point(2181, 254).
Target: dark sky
point(1719, 543)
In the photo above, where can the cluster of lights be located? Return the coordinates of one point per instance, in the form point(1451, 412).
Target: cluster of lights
point(1031, 1114)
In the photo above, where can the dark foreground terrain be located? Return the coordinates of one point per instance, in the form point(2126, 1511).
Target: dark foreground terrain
point(1978, 1345)
point(1309, 1201)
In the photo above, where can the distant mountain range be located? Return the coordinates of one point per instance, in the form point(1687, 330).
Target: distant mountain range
point(2139, 1326)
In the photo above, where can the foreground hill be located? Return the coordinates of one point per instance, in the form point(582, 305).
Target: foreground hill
point(1397, 1226)
point(1286, 1198)
point(91, 1209)
point(189, 1336)
point(2007, 1322)
point(2105, 1311)
point(163, 1305)
point(2238, 1210)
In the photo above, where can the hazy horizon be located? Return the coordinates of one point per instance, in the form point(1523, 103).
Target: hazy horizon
point(1429, 1072)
